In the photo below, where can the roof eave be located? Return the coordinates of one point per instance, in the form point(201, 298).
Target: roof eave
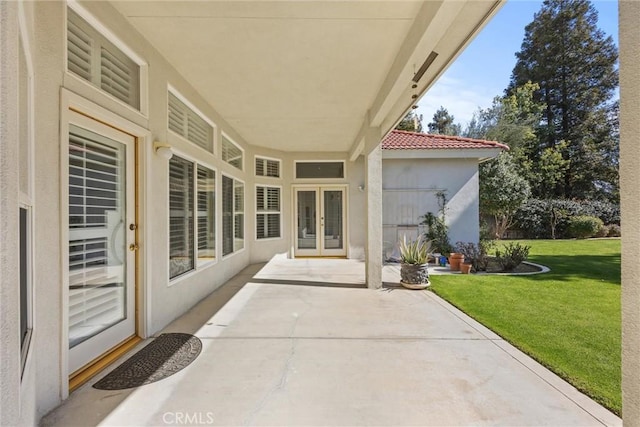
point(482, 154)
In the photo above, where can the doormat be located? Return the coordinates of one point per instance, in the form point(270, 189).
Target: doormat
point(163, 357)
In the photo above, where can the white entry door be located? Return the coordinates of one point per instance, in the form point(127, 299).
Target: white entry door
point(101, 239)
point(320, 221)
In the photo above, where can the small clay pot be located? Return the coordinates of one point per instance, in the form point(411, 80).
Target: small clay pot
point(465, 268)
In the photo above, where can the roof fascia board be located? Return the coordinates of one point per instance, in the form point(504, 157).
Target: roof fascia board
point(472, 153)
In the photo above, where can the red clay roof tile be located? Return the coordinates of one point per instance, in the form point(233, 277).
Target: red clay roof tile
point(403, 140)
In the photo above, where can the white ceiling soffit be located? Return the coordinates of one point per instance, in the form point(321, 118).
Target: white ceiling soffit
point(308, 75)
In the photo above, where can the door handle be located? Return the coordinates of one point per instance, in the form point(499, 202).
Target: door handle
point(133, 247)
point(133, 227)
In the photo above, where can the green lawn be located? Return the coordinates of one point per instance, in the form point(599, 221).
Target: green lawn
point(567, 319)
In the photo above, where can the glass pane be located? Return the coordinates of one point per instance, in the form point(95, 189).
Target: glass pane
point(333, 219)
point(307, 220)
point(238, 195)
point(97, 252)
point(227, 215)
point(181, 256)
point(206, 214)
point(24, 275)
point(319, 169)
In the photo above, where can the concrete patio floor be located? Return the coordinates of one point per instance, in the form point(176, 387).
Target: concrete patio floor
point(300, 342)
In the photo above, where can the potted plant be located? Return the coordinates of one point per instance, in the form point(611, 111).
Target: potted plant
point(475, 255)
point(414, 271)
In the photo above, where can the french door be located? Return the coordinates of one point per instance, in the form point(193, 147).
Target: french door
point(320, 221)
point(101, 239)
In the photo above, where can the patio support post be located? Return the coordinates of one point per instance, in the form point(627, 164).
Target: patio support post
point(629, 15)
point(373, 189)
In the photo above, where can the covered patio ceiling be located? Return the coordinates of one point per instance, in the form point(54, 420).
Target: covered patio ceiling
point(309, 75)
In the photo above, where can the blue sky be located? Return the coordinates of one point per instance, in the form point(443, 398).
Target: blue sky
point(483, 70)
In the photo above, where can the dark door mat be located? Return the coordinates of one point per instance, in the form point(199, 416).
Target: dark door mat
point(163, 357)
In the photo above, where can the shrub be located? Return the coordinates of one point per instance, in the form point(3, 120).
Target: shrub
point(614, 230)
point(584, 226)
point(535, 217)
point(476, 255)
point(512, 255)
point(603, 231)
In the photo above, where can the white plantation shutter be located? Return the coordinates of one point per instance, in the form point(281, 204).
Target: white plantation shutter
point(227, 215)
point(238, 215)
point(231, 153)
point(189, 124)
point(93, 181)
point(181, 217)
point(267, 167)
point(95, 59)
point(206, 213)
point(232, 215)
point(96, 185)
point(267, 212)
point(119, 75)
point(78, 50)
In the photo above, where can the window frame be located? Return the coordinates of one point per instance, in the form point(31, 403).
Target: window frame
point(214, 128)
point(266, 213)
point(103, 31)
point(233, 215)
point(328, 180)
point(255, 161)
point(198, 264)
point(224, 137)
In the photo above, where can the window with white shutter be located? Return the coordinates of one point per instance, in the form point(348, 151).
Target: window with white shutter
point(232, 215)
point(187, 123)
point(206, 214)
point(231, 153)
point(92, 57)
point(267, 167)
point(268, 211)
point(181, 235)
point(192, 218)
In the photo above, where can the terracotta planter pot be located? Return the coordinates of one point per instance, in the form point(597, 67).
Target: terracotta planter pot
point(465, 268)
point(455, 260)
point(414, 276)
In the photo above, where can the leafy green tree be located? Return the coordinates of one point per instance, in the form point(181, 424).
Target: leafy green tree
point(412, 122)
point(574, 64)
point(443, 123)
point(503, 189)
point(513, 120)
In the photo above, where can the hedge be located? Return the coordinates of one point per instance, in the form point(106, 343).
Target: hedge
point(533, 218)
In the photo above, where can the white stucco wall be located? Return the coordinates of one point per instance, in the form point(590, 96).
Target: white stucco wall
point(458, 177)
point(44, 383)
point(9, 296)
point(629, 15)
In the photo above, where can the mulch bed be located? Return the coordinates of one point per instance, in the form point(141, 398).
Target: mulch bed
point(494, 267)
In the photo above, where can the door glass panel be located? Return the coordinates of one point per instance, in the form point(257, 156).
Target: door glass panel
point(307, 220)
point(97, 240)
point(332, 219)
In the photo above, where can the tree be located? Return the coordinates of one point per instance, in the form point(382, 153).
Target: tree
point(574, 64)
point(503, 189)
point(412, 122)
point(443, 123)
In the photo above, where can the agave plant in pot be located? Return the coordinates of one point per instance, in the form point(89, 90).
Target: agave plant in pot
point(414, 270)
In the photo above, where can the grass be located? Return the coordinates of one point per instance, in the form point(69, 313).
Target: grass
point(567, 319)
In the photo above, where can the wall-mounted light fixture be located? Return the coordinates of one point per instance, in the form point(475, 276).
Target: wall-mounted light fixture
point(163, 149)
